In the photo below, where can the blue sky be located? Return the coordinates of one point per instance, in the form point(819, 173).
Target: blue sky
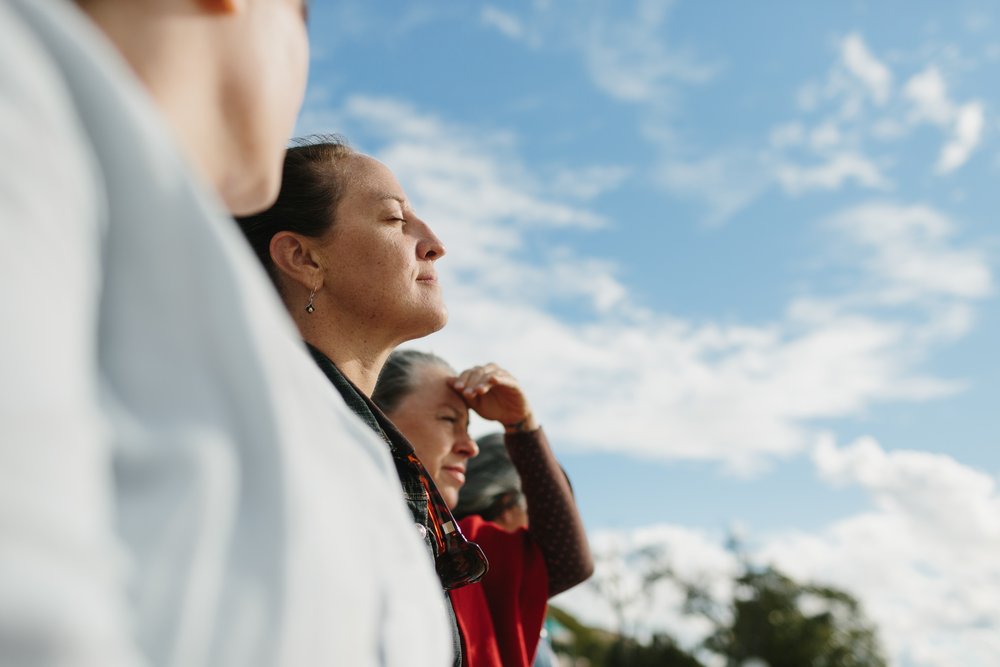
point(743, 258)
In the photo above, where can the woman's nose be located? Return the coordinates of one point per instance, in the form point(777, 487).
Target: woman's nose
point(430, 246)
point(466, 445)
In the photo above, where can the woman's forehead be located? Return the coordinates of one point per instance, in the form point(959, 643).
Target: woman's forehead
point(372, 180)
point(432, 381)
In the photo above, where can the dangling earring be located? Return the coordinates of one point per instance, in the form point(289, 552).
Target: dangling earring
point(310, 308)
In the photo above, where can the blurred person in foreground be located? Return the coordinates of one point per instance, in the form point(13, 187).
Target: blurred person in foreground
point(178, 484)
point(355, 266)
point(520, 510)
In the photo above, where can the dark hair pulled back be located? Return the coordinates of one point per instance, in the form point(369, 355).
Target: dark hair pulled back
point(311, 188)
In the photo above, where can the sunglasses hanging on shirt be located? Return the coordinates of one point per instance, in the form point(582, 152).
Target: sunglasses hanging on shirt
point(458, 561)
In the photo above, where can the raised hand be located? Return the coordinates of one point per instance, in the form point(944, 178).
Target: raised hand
point(495, 394)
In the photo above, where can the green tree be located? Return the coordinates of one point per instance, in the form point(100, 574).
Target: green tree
point(600, 648)
point(768, 618)
point(661, 651)
point(786, 624)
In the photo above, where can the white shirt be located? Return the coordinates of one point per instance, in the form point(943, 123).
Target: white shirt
point(179, 484)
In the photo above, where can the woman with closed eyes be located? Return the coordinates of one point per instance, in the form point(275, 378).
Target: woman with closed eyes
point(355, 267)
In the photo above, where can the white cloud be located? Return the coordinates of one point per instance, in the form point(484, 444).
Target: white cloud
point(726, 182)
point(840, 169)
point(977, 21)
point(856, 78)
point(846, 123)
point(788, 135)
point(928, 93)
point(588, 182)
point(922, 560)
point(936, 494)
point(968, 132)
point(860, 62)
point(673, 379)
point(629, 57)
point(624, 46)
point(830, 153)
point(506, 23)
point(825, 136)
point(911, 255)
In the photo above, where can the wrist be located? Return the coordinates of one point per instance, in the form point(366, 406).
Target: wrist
point(525, 425)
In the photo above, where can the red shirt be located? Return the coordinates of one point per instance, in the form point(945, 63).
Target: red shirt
point(501, 616)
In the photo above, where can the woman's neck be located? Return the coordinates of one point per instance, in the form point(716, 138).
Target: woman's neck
point(362, 372)
point(357, 355)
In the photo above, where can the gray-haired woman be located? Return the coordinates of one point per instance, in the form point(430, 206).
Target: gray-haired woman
point(538, 548)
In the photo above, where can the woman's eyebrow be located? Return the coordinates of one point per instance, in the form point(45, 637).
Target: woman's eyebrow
point(387, 196)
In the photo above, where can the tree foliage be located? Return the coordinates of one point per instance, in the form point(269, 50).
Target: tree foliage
point(786, 624)
point(769, 619)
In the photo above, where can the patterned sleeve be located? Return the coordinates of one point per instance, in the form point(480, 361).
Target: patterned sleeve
point(554, 522)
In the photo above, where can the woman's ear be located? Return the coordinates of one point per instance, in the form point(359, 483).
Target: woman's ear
point(293, 256)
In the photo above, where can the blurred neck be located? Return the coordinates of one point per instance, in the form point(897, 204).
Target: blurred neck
point(169, 50)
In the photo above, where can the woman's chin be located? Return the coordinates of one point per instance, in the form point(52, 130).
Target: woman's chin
point(450, 495)
point(441, 320)
point(427, 324)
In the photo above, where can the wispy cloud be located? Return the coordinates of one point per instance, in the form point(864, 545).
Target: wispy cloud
point(860, 62)
point(849, 126)
point(503, 21)
point(586, 183)
point(831, 153)
point(798, 156)
point(856, 80)
point(831, 175)
point(910, 254)
point(725, 182)
point(630, 56)
point(624, 46)
point(928, 94)
point(968, 131)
